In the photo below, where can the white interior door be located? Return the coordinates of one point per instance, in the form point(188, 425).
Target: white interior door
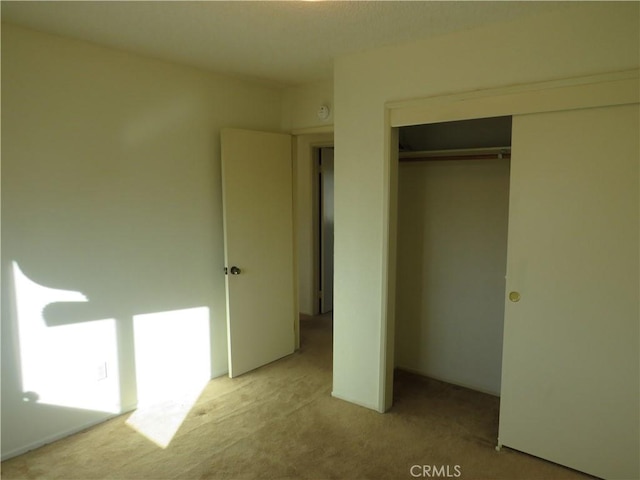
point(259, 250)
point(570, 384)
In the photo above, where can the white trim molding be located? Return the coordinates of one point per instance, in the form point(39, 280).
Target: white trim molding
point(616, 88)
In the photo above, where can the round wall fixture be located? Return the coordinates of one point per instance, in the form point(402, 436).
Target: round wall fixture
point(323, 112)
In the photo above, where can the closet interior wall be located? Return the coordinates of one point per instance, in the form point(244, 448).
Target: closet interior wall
point(452, 243)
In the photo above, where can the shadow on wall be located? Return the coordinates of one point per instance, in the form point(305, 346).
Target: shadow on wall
point(69, 357)
point(110, 298)
point(112, 230)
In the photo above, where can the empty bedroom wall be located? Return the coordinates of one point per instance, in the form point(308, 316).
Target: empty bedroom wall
point(112, 239)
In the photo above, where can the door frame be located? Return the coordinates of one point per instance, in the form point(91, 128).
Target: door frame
point(306, 142)
point(321, 263)
point(609, 89)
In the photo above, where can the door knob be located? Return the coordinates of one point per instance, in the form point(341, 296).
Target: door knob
point(514, 296)
point(235, 270)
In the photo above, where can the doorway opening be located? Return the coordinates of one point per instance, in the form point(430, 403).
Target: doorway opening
point(309, 150)
point(453, 199)
point(325, 229)
point(315, 244)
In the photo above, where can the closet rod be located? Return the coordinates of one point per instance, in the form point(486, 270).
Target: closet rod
point(458, 154)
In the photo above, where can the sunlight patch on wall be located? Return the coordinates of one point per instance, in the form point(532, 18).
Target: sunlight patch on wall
point(70, 365)
point(173, 365)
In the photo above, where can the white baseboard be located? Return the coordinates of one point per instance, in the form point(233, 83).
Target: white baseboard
point(355, 402)
point(60, 435)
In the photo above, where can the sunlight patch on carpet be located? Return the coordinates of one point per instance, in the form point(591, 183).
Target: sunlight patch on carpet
point(173, 365)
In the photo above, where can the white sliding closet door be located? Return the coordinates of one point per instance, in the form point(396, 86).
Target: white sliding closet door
point(570, 384)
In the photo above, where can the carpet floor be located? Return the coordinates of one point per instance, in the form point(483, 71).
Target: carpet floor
point(280, 422)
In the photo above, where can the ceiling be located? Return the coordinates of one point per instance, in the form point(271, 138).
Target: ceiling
point(283, 42)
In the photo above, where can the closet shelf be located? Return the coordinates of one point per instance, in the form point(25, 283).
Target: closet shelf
point(455, 154)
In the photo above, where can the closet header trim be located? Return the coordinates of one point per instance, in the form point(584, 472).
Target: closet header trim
point(618, 88)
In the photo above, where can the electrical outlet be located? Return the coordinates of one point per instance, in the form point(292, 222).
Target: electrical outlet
point(101, 371)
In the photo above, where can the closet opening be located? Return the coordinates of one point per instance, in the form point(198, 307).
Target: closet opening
point(453, 202)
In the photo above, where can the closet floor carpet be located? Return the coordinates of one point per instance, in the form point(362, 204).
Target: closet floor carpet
point(280, 422)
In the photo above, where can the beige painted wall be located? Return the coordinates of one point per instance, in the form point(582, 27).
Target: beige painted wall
point(300, 107)
point(111, 189)
point(590, 38)
point(451, 265)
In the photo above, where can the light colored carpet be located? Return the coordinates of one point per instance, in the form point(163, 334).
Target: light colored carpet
point(280, 422)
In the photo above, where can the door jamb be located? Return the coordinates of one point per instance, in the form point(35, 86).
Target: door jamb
point(305, 191)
